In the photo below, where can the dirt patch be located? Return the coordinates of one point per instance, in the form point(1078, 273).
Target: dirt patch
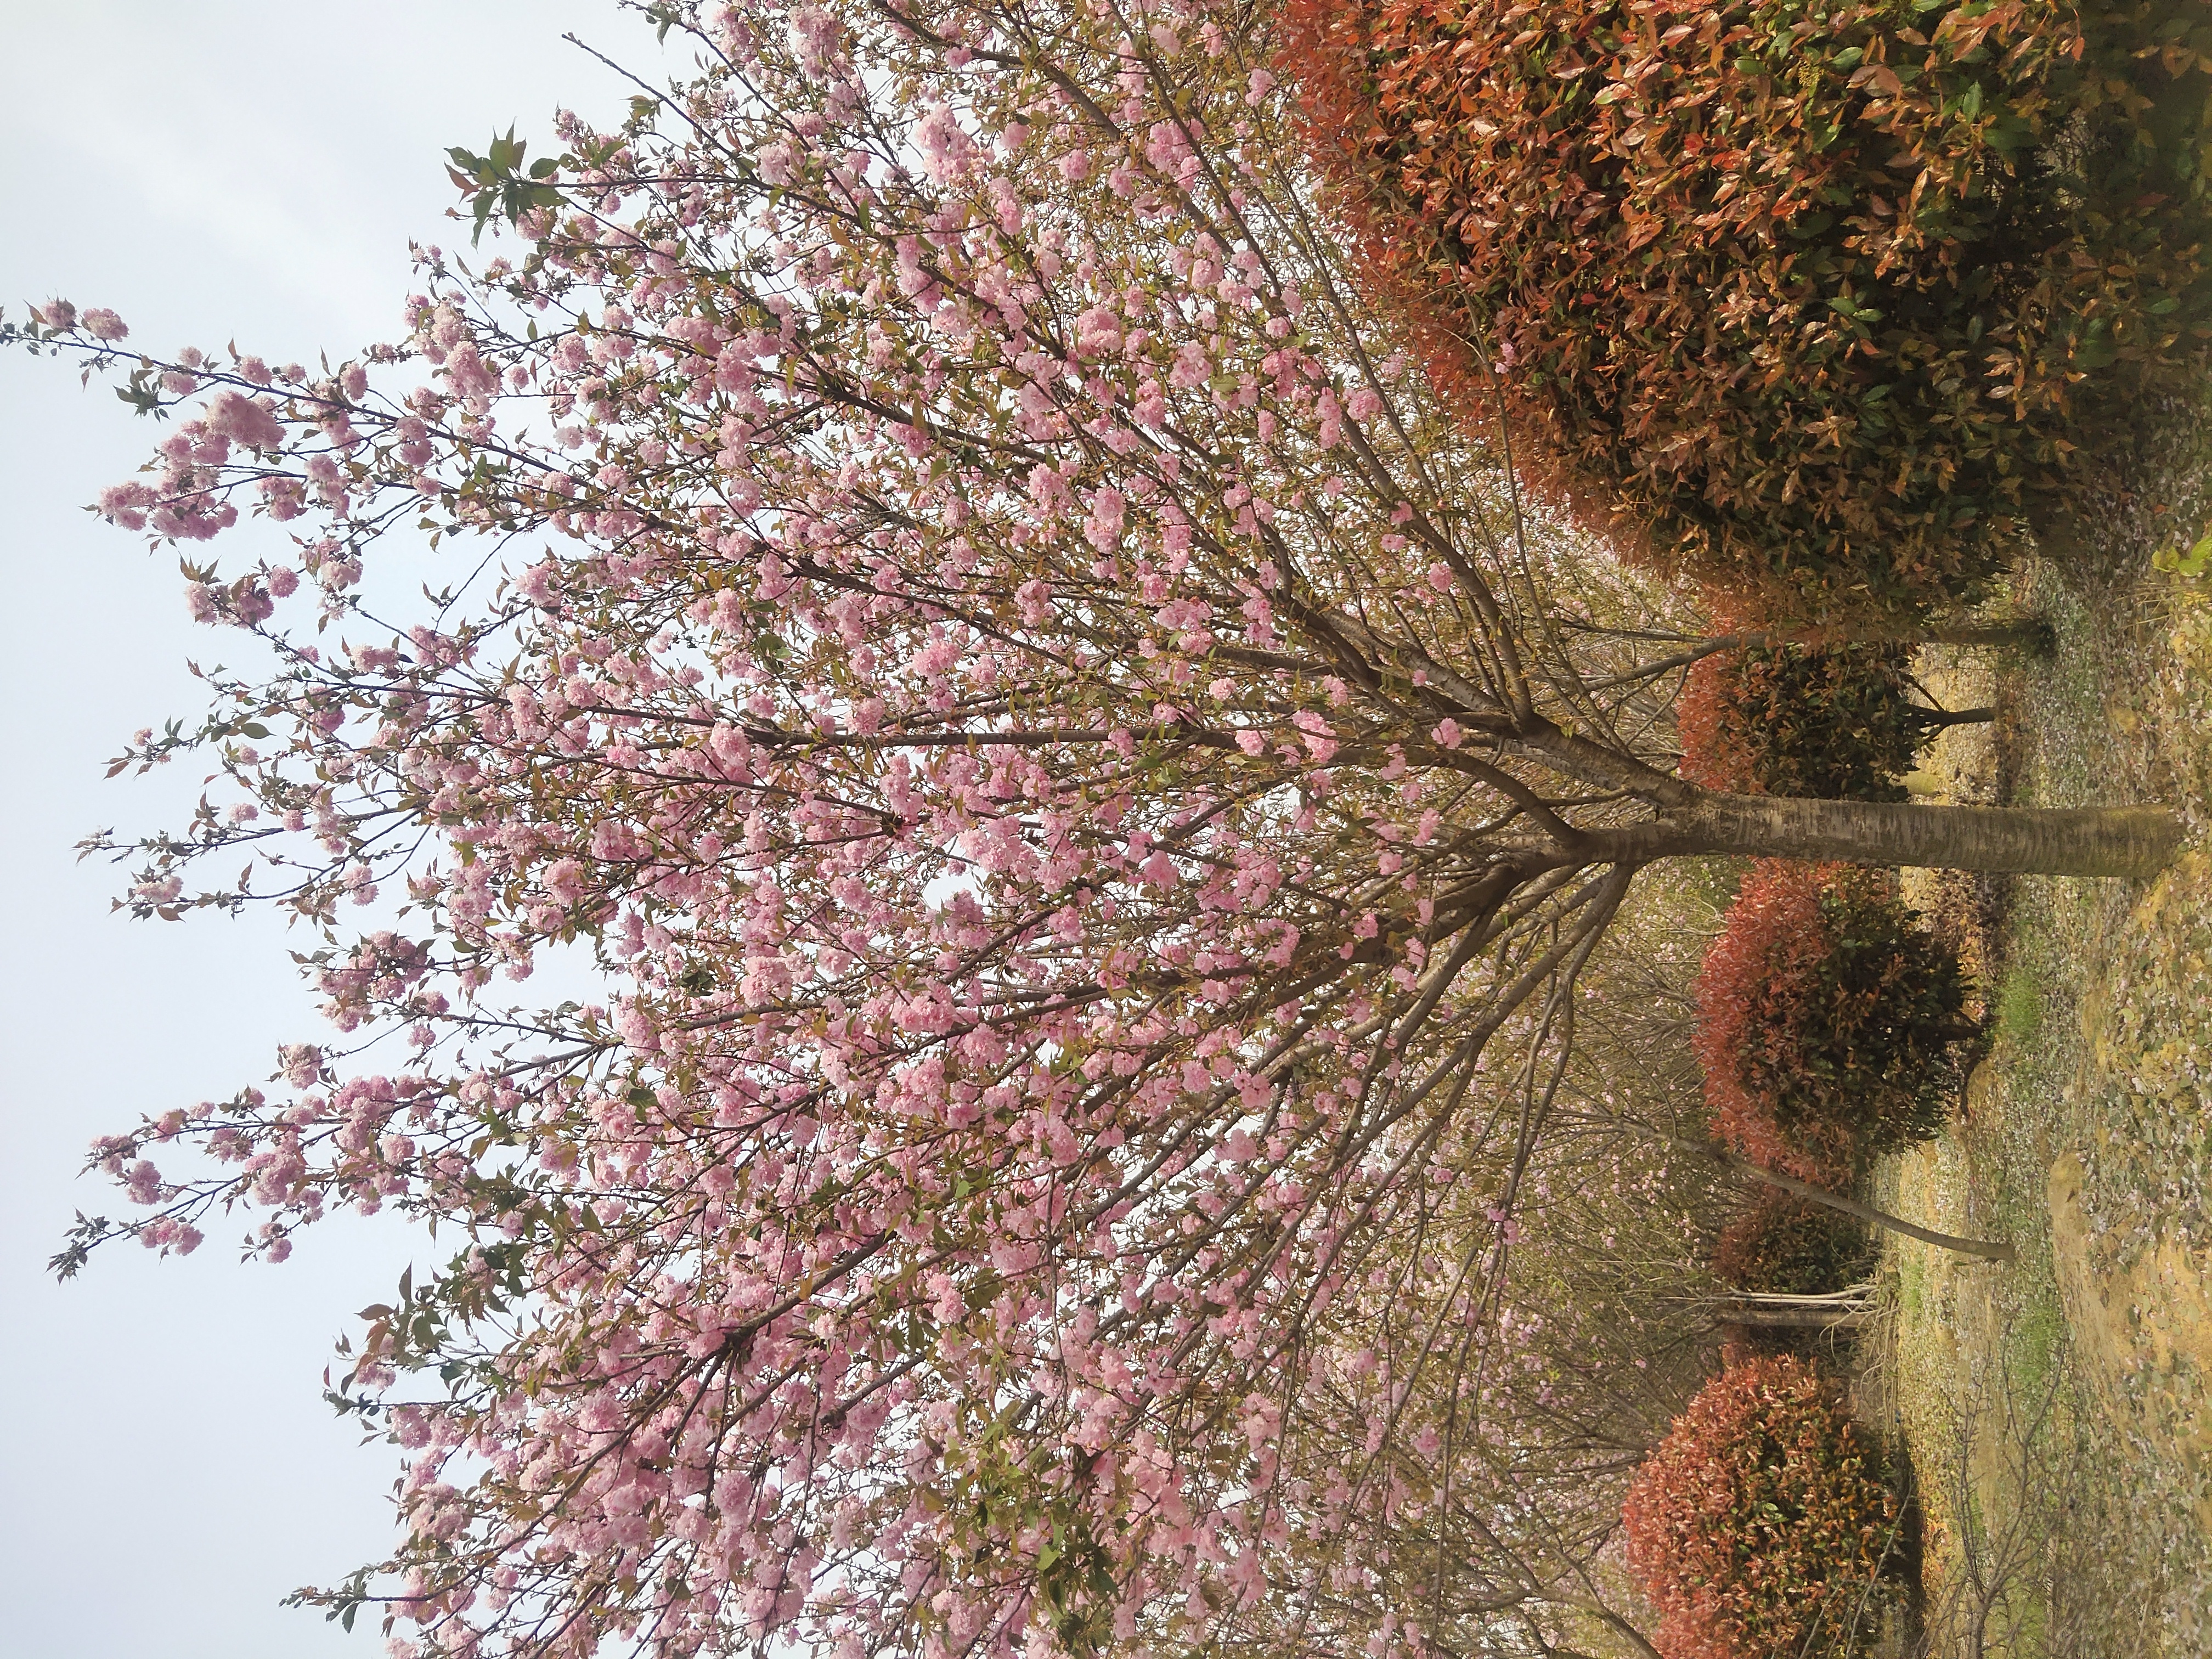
point(2144, 1331)
point(2058, 1411)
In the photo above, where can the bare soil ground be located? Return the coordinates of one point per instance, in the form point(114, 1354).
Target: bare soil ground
point(2057, 1413)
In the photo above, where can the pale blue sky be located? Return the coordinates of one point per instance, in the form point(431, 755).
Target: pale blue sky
point(214, 170)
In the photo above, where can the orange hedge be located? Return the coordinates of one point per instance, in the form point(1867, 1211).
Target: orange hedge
point(1826, 1021)
point(1781, 1244)
point(1827, 297)
point(1758, 1524)
point(1834, 722)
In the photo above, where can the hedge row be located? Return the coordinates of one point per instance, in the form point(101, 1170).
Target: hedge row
point(1759, 1527)
point(1824, 298)
point(1828, 1021)
point(1783, 1245)
point(1833, 723)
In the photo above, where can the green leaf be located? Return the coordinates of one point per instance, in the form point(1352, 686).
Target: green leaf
point(2192, 565)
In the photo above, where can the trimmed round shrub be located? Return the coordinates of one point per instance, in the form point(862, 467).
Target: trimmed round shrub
point(1781, 1245)
point(1758, 1523)
point(1831, 722)
point(1825, 297)
point(1826, 1021)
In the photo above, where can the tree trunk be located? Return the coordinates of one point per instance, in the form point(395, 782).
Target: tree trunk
point(1851, 1296)
point(1767, 1310)
point(1942, 717)
point(2029, 633)
point(1791, 1319)
point(2099, 841)
point(1988, 1249)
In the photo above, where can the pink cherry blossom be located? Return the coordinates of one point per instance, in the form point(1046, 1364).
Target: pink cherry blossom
point(934, 612)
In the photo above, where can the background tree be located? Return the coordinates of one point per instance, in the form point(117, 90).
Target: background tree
point(1068, 767)
point(1509, 1432)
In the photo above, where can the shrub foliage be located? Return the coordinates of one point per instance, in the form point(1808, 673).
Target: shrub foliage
point(1781, 1245)
point(1826, 1021)
point(1832, 722)
point(1829, 294)
point(1758, 1521)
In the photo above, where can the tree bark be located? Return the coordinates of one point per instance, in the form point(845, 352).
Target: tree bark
point(1851, 1296)
point(2100, 841)
point(1988, 1249)
point(1943, 717)
point(1792, 1319)
point(1771, 1311)
point(2029, 634)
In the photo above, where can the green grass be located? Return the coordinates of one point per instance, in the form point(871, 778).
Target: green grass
point(1911, 1288)
point(2035, 1346)
point(2019, 1007)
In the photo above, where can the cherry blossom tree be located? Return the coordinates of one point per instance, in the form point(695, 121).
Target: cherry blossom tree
point(1087, 794)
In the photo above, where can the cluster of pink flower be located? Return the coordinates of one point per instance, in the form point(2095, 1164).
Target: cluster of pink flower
point(1041, 959)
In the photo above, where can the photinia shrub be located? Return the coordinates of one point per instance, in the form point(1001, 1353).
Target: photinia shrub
point(1759, 1522)
point(1832, 722)
point(1781, 1245)
point(1825, 1021)
point(1831, 296)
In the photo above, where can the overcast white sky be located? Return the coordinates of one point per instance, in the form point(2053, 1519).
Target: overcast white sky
point(214, 170)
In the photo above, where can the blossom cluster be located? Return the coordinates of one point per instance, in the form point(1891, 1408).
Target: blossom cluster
point(946, 604)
